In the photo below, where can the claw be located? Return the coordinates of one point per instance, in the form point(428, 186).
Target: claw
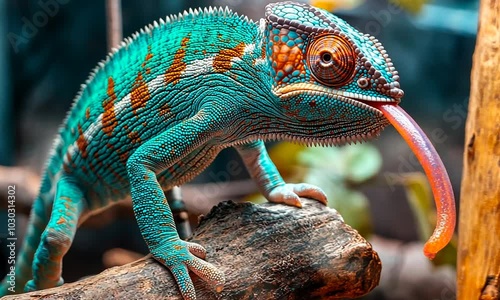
point(184, 282)
point(207, 272)
point(310, 191)
point(180, 257)
point(31, 286)
point(197, 250)
point(290, 194)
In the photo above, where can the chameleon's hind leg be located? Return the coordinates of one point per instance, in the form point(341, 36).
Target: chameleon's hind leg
point(57, 236)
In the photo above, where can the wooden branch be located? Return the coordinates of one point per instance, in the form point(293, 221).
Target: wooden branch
point(479, 229)
point(266, 251)
point(114, 23)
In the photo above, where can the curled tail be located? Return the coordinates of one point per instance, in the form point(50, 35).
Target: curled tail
point(20, 272)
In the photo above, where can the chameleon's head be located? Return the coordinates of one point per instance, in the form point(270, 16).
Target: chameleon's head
point(340, 85)
point(318, 58)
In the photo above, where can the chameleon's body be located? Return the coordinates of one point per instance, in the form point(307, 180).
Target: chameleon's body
point(159, 109)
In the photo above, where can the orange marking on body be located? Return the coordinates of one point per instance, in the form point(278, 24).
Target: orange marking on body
point(87, 113)
point(67, 199)
point(171, 169)
point(149, 55)
point(124, 157)
point(287, 59)
point(293, 113)
point(96, 156)
point(60, 221)
point(109, 146)
point(109, 121)
point(81, 142)
point(117, 176)
point(139, 95)
point(165, 110)
point(92, 168)
point(178, 66)
point(134, 137)
point(222, 61)
point(148, 70)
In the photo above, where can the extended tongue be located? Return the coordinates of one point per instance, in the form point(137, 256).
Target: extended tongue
point(435, 171)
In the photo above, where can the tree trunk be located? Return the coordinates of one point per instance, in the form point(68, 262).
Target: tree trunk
point(478, 267)
point(268, 251)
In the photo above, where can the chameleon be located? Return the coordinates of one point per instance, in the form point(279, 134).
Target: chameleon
point(161, 106)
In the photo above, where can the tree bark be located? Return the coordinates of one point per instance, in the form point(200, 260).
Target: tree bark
point(267, 251)
point(114, 23)
point(478, 267)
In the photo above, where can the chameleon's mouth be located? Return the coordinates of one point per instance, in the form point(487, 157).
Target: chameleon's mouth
point(373, 125)
point(364, 101)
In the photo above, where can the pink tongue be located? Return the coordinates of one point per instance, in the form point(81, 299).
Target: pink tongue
point(435, 171)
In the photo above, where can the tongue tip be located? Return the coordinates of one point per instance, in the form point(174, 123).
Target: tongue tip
point(429, 253)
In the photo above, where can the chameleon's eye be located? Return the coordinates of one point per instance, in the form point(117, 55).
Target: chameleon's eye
point(332, 60)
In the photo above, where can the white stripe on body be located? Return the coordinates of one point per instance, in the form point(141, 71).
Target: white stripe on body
point(195, 68)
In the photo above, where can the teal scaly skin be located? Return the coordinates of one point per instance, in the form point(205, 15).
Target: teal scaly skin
point(157, 111)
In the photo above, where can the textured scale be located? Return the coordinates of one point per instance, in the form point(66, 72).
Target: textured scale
point(159, 109)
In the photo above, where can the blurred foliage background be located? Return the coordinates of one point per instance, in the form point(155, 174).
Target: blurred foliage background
point(377, 187)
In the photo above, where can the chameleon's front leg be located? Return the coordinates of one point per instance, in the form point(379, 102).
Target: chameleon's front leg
point(269, 181)
point(151, 208)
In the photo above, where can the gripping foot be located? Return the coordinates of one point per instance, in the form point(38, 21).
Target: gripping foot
point(181, 257)
point(290, 194)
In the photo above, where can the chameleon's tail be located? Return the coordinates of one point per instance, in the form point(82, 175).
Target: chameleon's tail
point(19, 267)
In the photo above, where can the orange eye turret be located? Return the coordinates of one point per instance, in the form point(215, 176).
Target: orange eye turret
point(332, 60)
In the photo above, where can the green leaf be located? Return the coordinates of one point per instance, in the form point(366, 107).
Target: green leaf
point(355, 163)
point(363, 162)
point(420, 199)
